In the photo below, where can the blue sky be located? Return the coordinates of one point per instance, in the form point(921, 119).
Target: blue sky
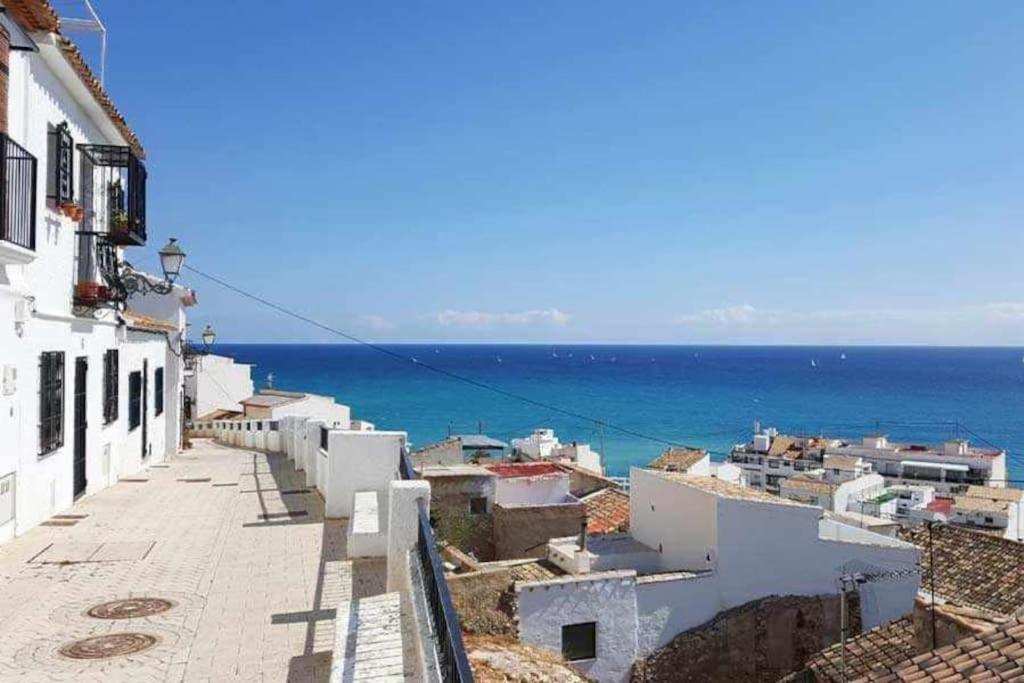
point(676, 172)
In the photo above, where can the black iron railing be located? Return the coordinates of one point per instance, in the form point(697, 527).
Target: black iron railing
point(17, 194)
point(451, 651)
point(115, 194)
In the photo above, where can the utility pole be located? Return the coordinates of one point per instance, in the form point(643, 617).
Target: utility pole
point(931, 578)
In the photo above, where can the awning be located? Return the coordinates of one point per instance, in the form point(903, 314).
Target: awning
point(934, 465)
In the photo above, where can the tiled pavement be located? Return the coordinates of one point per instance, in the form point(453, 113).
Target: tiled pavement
point(253, 570)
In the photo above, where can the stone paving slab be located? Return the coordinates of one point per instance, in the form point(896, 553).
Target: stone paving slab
point(254, 599)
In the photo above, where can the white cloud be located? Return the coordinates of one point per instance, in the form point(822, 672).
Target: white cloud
point(549, 316)
point(1005, 311)
point(743, 314)
point(376, 322)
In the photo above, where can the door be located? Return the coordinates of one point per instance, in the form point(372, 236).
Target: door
point(145, 409)
point(81, 371)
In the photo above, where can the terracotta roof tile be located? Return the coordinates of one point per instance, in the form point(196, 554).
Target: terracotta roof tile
point(525, 469)
point(887, 645)
point(724, 489)
point(808, 484)
point(996, 655)
point(140, 321)
point(973, 569)
point(607, 512)
point(677, 459)
point(34, 15)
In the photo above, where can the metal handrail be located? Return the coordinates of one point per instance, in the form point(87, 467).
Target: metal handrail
point(17, 194)
point(451, 651)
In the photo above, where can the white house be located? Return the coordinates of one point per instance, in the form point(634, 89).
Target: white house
point(214, 382)
point(699, 545)
point(91, 366)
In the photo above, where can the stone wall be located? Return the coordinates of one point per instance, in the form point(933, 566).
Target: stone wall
point(757, 642)
point(521, 532)
point(449, 510)
point(484, 601)
point(952, 623)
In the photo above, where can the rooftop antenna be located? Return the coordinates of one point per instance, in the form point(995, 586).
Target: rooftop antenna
point(90, 24)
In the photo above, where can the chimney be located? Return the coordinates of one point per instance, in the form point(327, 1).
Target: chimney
point(5, 53)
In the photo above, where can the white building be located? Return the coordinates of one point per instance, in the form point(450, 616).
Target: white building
point(950, 468)
point(699, 545)
point(215, 382)
point(771, 457)
point(91, 366)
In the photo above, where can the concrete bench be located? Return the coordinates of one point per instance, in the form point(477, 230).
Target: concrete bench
point(367, 530)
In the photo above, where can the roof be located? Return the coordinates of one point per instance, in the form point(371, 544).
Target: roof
point(780, 444)
point(971, 504)
point(607, 511)
point(435, 471)
point(941, 505)
point(724, 489)
point(808, 484)
point(1008, 494)
point(995, 655)
point(974, 569)
point(479, 441)
point(34, 15)
point(886, 645)
point(842, 462)
point(141, 321)
point(677, 459)
point(525, 469)
point(217, 414)
point(269, 400)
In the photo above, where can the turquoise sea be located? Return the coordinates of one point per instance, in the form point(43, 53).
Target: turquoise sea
point(706, 396)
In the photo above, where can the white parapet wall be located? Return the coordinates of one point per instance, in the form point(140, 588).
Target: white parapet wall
point(357, 461)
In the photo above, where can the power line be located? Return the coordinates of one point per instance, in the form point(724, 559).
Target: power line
point(433, 368)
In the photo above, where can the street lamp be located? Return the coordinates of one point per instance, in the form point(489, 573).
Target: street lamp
point(208, 337)
point(171, 260)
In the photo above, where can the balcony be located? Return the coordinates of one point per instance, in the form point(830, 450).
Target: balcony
point(114, 194)
point(17, 202)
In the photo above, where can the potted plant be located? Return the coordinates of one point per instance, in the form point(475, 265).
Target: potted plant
point(119, 222)
point(72, 210)
point(90, 292)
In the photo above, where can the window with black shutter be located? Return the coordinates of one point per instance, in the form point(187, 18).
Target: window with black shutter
point(51, 401)
point(579, 641)
point(134, 399)
point(62, 165)
point(158, 391)
point(110, 385)
point(323, 438)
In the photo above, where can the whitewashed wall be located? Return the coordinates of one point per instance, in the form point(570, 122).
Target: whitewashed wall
point(218, 383)
point(679, 521)
point(544, 490)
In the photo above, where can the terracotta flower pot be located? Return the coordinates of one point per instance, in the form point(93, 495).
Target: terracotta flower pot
point(78, 215)
point(89, 291)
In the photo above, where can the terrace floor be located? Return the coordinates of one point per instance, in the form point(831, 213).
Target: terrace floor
point(230, 537)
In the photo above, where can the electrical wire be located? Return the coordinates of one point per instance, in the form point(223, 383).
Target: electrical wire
point(433, 368)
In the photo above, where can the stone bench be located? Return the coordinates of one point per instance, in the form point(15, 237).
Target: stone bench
point(367, 530)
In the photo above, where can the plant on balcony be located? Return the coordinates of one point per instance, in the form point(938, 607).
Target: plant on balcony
point(73, 210)
point(91, 292)
point(119, 222)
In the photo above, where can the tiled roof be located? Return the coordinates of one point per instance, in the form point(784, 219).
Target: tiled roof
point(677, 459)
point(972, 569)
point(724, 489)
point(971, 504)
point(607, 512)
point(34, 15)
point(268, 400)
point(996, 655)
point(1008, 494)
point(807, 484)
point(217, 414)
point(780, 444)
point(140, 321)
point(525, 469)
point(842, 462)
point(886, 645)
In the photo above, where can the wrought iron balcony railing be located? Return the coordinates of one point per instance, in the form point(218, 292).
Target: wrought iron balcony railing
point(17, 194)
point(114, 193)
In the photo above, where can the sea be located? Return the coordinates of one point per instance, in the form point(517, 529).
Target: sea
point(630, 402)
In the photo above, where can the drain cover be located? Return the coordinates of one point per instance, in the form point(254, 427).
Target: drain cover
point(112, 645)
point(130, 608)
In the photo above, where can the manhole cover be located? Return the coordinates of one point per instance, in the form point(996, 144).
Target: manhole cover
point(130, 608)
point(113, 645)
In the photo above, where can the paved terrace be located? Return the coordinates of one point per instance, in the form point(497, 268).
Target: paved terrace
point(239, 546)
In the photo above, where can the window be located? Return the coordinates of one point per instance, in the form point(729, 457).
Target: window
point(63, 165)
point(259, 426)
point(478, 505)
point(110, 385)
point(273, 425)
point(51, 401)
point(579, 641)
point(158, 391)
point(323, 438)
point(134, 399)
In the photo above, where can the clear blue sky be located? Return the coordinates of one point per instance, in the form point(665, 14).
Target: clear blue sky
point(737, 172)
